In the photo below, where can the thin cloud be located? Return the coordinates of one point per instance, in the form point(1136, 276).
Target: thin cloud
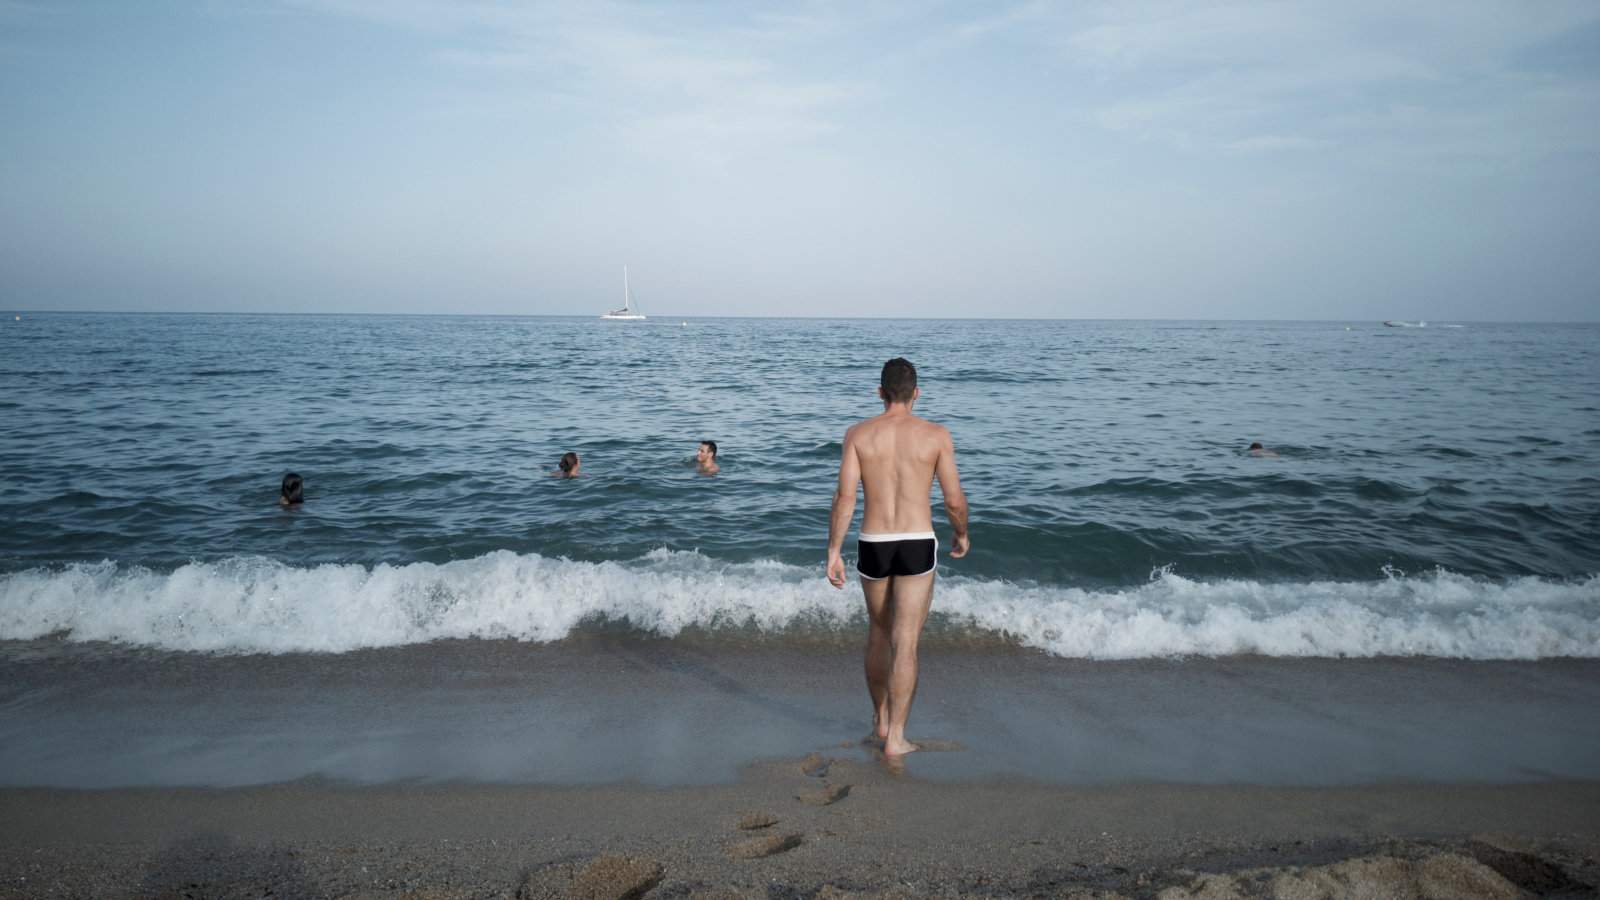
point(1405, 82)
point(669, 84)
point(1274, 143)
point(485, 59)
point(968, 32)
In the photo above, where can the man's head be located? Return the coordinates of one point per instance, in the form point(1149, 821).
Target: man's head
point(569, 463)
point(707, 452)
point(898, 383)
point(293, 490)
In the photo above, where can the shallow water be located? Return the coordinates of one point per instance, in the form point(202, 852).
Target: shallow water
point(632, 708)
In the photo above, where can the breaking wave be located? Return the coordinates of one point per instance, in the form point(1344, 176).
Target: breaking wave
point(258, 605)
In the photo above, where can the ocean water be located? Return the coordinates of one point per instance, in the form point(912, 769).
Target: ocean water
point(1435, 493)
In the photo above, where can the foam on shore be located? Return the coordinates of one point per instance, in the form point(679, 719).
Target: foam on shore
point(257, 605)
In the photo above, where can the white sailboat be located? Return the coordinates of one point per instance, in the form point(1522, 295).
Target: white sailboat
point(628, 312)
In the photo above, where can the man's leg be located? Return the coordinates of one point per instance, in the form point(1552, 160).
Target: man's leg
point(912, 595)
point(880, 616)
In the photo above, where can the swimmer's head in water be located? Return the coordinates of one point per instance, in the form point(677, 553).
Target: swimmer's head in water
point(898, 383)
point(711, 449)
point(1256, 445)
point(569, 463)
point(293, 489)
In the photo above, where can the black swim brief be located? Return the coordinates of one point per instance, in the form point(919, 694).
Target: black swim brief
point(908, 553)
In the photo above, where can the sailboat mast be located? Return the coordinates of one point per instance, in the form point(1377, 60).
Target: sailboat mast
point(627, 301)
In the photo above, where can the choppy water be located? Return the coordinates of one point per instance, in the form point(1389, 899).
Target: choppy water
point(1436, 491)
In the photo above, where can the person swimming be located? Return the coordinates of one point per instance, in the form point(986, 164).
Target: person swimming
point(569, 465)
point(293, 490)
point(706, 458)
point(1257, 450)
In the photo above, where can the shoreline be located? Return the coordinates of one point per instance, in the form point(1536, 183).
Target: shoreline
point(882, 832)
point(654, 711)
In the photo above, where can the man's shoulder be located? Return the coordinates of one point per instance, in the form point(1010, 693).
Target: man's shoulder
point(922, 428)
point(864, 425)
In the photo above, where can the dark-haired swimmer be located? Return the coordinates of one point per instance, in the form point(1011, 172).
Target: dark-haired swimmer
point(895, 456)
point(1257, 450)
point(293, 491)
point(568, 466)
point(706, 458)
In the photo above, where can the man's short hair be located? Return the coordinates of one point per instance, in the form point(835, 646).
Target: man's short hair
point(899, 380)
point(713, 446)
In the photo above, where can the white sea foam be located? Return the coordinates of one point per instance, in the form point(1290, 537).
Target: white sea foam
point(246, 605)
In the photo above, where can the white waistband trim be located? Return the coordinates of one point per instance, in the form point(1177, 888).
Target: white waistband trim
point(898, 536)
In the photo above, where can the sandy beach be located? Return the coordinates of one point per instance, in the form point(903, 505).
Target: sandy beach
point(885, 833)
point(496, 769)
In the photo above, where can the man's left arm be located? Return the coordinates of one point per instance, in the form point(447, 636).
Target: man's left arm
point(844, 509)
point(955, 500)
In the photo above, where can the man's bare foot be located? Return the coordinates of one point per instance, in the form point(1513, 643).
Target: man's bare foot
point(899, 747)
point(872, 740)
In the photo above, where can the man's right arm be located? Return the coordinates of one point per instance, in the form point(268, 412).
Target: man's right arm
point(955, 502)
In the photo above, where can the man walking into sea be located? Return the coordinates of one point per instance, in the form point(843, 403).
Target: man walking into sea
point(895, 456)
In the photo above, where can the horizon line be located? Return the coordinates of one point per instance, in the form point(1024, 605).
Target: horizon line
point(681, 316)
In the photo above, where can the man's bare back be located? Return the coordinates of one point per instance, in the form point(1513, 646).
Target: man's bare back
point(896, 456)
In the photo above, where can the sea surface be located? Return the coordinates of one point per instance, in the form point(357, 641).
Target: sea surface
point(1435, 491)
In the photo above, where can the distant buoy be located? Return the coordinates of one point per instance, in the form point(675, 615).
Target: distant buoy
point(684, 324)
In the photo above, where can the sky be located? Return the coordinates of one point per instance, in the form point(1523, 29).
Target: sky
point(1344, 160)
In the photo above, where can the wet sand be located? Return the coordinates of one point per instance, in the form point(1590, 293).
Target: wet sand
point(685, 711)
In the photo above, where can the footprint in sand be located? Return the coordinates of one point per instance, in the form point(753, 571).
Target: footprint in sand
point(827, 796)
point(756, 821)
point(772, 844)
point(814, 765)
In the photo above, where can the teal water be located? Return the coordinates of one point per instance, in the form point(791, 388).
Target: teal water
point(1435, 490)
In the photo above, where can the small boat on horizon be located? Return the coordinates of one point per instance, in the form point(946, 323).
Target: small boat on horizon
point(1397, 323)
point(628, 312)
